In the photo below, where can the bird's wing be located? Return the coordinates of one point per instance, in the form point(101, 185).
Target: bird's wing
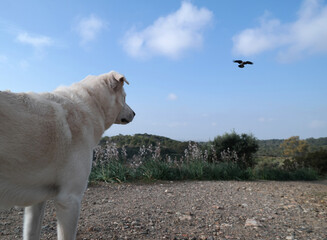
point(238, 61)
point(248, 62)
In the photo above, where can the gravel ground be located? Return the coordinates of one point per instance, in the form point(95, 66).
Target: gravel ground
point(192, 210)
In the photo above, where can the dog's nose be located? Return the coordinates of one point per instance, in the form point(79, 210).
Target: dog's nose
point(134, 113)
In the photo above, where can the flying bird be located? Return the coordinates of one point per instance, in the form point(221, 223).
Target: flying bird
point(241, 63)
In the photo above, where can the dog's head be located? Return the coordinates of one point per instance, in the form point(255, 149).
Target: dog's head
point(122, 114)
point(126, 114)
point(110, 98)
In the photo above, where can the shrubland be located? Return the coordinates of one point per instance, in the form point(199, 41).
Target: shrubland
point(231, 156)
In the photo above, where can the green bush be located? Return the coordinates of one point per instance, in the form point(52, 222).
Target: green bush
point(194, 170)
point(225, 171)
point(160, 170)
point(244, 146)
point(113, 171)
point(279, 174)
point(316, 160)
point(156, 170)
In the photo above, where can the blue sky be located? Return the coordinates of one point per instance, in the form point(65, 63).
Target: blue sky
point(178, 57)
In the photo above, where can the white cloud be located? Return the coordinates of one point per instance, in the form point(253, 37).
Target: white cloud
point(172, 97)
point(261, 119)
point(265, 120)
point(35, 41)
point(316, 124)
point(171, 35)
point(306, 35)
point(89, 28)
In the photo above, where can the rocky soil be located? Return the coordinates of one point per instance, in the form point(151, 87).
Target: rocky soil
point(192, 210)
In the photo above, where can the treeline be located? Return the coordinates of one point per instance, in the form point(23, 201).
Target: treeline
point(174, 148)
point(272, 147)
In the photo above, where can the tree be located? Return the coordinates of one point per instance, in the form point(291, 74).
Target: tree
point(294, 147)
point(316, 160)
point(244, 145)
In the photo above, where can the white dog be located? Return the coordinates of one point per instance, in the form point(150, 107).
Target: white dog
point(46, 143)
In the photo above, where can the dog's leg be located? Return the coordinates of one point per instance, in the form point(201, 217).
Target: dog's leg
point(33, 220)
point(67, 216)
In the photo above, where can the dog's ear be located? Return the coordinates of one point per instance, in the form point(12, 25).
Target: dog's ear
point(119, 78)
point(114, 80)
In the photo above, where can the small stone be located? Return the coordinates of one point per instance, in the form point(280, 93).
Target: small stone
point(251, 223)
point(225, 225)
point(184, 217)
point(218, 207)
point(135, 223)
point(91, 229)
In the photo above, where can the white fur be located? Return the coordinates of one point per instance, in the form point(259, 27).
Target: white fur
point(46, 143)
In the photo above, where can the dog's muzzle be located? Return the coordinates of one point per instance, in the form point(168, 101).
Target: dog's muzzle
point(125, 120)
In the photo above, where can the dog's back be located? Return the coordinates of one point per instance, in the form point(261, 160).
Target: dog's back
point(31, 134)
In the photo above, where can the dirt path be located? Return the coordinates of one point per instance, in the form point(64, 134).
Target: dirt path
point(193, 210)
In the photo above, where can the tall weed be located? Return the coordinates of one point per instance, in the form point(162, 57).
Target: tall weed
point(111, 164)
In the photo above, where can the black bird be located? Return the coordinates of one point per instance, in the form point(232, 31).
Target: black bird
point(241, 63)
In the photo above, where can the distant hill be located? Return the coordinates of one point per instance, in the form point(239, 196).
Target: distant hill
point(176, 148)
point(271, 147)
point(316, 143)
